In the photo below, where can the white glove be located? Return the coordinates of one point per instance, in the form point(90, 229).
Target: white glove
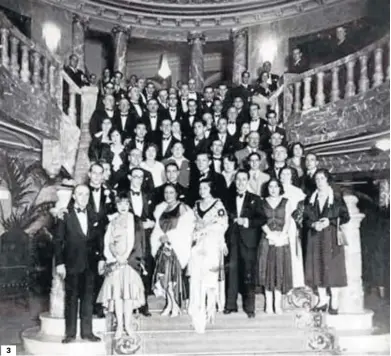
point(60, 270)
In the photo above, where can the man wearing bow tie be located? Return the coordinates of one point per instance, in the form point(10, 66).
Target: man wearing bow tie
point(166, 141)
point(193, 94)
point(98, 115)
point(222, 134)
point(244, 90)
point(139, 142)
point(141, 206)
point(78, 252)
point(119, 92)
point(246, 218)
point(162, 99)
point(189, 118)
point(123, 121)
point(308, 180)
point(217, 110)
point(279, 156)
point(136, 110)
point(253, 140)
point(207, 100)
point(233, 127)
point(173, 111)
point(197, 143)
point(217, 155)
point(152, 120)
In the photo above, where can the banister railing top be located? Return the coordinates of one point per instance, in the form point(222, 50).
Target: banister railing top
point(290, 78)
point(73, 87)
point(6, 23)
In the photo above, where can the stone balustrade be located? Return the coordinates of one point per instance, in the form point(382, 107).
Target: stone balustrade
point(344, 78)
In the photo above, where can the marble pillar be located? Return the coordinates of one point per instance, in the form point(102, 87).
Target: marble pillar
point(239, 54)
point(384, 192)
point(121, 36)
point(196, 71)
point(79, 25)
point(352, 296)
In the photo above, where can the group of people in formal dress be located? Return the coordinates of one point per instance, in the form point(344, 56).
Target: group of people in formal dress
point(196, 198)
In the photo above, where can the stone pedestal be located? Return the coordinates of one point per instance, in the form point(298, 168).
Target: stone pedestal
point(78, 39)
point(239, 54)
point(121, 36)
point(196, 71)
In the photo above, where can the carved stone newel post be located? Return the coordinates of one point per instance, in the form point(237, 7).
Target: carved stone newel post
point(239, 42)
point(79, 25)
point(196, 41)
point(121, 36)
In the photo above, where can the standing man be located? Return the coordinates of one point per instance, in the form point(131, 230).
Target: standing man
point(78, 255)
point(245, 215)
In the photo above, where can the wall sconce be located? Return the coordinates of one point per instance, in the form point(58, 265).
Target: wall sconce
point(268, 50)
point(52, 35)
point(164, 70)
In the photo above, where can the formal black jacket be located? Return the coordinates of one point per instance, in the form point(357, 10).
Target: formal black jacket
point(187, 126)
point(77, 76)
point(96, 120)
point(159, 142)
point(153, 135)
point(243, 92)
point(308, 184)
point(134, 114)
point(147, 185)
point(205, 108)
point(229, 144)
point(266, 134)
point(178, 115)
point(96, 148)
point(79, 252)
point(299, 67)
point(130, 125)
point(217, 180)
point(252, 210)
point(192, 150)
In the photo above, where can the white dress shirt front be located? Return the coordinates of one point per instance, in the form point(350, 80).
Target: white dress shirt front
point(137, 204)
point(239, 203)
point(96, 196)
point(83, 220)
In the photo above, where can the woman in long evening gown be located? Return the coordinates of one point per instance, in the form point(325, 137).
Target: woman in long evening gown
point(170, 246)
point(324, 213)
point(206, 266)
point(275, 268)
point(122, 290)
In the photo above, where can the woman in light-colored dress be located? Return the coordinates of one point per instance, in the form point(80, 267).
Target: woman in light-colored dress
point(295, 197)
point(170, 246)
point(206, 266)
point(153, 166)
point(257, 178)
point(122, 290)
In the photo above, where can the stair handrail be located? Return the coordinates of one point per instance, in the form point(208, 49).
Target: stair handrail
point(293, 82)
point(73, 87)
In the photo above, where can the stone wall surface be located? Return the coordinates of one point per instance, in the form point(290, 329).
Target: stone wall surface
point(33, 110)
point(362, 114)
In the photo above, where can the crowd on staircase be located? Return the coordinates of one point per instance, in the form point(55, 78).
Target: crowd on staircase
point(196, 197)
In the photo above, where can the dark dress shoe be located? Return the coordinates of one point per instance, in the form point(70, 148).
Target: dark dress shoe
point(333, 311)
point(321, 308)
point(251, 315)
point(229, 311)
point(91, 338)
point(68, 339)
point(145, 312)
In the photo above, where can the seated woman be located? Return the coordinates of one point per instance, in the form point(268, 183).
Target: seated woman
point(296, 159)
point(170, 246)
point(100, 141)
point(182, 162)
point(150, 164)
point(258, 179)
point(275, 271)
point(122, 289)
point(324, 213)
point(295, 196)
point(206, 266)
point(115, 154)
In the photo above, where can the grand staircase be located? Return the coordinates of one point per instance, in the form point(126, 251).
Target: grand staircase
point(340, 117)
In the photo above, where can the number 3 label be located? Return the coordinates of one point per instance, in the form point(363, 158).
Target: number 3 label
point(8, 350)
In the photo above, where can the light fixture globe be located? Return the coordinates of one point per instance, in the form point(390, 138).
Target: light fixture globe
point(51, 34)
point(164, 71)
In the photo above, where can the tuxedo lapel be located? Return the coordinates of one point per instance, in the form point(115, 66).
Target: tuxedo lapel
point(75, 222)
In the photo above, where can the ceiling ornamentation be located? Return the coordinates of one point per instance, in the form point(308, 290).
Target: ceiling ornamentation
point(213, 17)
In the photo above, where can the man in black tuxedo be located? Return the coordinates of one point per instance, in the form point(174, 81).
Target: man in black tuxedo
point(123, 121)
point(269, 129)
point(216, 149)
point(166, 141)
point(188, 119)
point(298, 63)
point(149, 93)
point(243, 115)
point(256, 122)
point(80, 80)
point(136, 110)
point(222, 134)
point(246, 219)
point(272, 79)
point(203, 171)
point(139, 141)
point(217, 110)
point(162, 99)
point(119, 92)
point(279, 157)
point(193, 94)
point(207, 100)
point(308, 179)
point(100, 140)
point(141, 206)
point(152, 120)
point(98, 115)
point(244, 90)
point(173, 111)
point(78, 252)
point(172, 175)
point(197, 143)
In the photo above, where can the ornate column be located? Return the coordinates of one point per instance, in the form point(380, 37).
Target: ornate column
point(239, 41)
point(196, 41)
point(121, 36)
point(352, 314)
point(79, 25)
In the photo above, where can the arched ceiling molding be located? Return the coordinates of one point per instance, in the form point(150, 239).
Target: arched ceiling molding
point(163, 19)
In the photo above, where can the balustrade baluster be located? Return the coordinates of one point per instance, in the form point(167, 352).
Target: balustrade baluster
point(72, 106)
point(350, 88)
point(307, 100)
point(4, 47)
point(52, 86)
point(320, 97)
point(297, 103)
point(45, 79)
point(25, 70)
point(378, 75)
point(14, 57)
point(36, 70)
point(364, 81)
point(335, 84)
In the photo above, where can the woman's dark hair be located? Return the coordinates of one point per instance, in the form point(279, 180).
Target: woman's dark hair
point(172, 186)
point(282, 191)
point(247, 160)
point(210, 184)
point(149, 145)
point(121, 196)
point(295, 176)
point(232, 158)
point(245, 171)
point(292, 147)
point(326, 173)
point(114, 129)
